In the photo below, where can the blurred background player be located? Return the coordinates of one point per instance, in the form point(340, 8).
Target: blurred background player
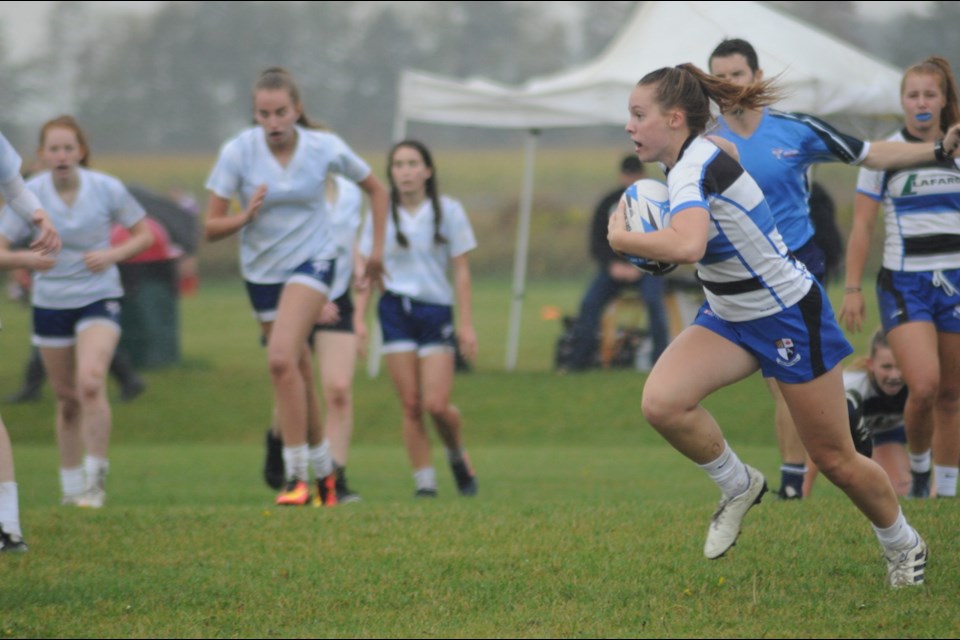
point(876, 396)
point(614, 276)
point(918, 286)
point(427, 235)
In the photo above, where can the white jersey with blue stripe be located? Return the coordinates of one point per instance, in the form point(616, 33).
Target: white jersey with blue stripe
point(345, 219)
point(419, 271)
point(293, 225)
point(746, 272)
point(921, 213)
point(84, 226)
point(779, 154)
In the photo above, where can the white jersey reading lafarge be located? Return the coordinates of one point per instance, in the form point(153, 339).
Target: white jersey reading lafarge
point(293, 225)
point(745, 271)
point(921, 213)
point(85, 226)
point(419, 271)
point(345, 217)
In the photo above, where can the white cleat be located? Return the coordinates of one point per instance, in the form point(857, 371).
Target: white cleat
point(725, 524)
point(906, 568)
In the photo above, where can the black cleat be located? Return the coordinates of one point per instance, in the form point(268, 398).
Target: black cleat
point(273, 471)
point(463, 474)
point(919, 485)
point(10, 543)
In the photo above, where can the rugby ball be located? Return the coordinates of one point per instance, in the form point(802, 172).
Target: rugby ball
point(646, 204)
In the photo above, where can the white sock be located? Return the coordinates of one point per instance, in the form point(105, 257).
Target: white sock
point(946, 481)
point(73, 481)
point(96, 469)
point(920, 462)
point(728, 472)
point(10, 509)
point(320, 460)
point(898, 536)
point(426, 478)
point(295, 462)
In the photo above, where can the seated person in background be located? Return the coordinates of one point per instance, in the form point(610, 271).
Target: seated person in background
point(876, 396)
point(614, 276)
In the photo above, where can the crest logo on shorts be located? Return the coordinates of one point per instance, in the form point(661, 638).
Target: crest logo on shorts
point(788, 354)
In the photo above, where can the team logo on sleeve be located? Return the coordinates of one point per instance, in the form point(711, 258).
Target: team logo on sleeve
point(788, 354)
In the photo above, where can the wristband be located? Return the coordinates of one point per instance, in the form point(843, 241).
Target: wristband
point(941, 154)
point(852, 290)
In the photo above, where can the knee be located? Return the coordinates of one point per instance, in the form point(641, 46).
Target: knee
point(282, 364)
point(90, 386)
point(436, 406)
point(338, 395)
point(839, 466)
point(923, 393)
point(659, 409)
point(412, 410)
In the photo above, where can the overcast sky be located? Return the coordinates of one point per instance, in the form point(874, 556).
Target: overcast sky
point(24, 23)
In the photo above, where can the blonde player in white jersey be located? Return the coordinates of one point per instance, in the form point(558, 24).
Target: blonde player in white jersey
point(288, 257)
point(24, 204)
point(76, 303)
point(918, 287)
point(338, 336)
point(427, 234)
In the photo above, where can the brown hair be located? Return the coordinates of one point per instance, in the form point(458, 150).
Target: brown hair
point(939, 68)
point(431, 186)
point(279, 79)
point(690, 89)
point(67, 122)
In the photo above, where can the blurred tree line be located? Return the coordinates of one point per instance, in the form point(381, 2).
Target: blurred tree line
point(179, 79)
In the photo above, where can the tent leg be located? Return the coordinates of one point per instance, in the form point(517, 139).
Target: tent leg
point(520, 255)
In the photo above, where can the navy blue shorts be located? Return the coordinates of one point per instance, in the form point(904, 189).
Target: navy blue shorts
point(897, 434)
point(264, 298)
point(59, 327)
point(409, 325)
point(919, 296)
point(813, 258)
point(795, 345)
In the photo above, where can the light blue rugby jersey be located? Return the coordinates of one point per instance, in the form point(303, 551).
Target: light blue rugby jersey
point(419, 271)
point(779, 154)
point(85, 226)
point(746, 272)
point(921, 213)
point(293, 225)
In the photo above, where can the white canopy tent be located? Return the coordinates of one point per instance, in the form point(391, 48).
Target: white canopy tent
point(819, 73)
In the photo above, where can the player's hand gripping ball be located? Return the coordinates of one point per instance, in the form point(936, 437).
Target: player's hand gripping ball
point(646, 206)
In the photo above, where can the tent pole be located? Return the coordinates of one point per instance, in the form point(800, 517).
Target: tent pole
point(520, 255)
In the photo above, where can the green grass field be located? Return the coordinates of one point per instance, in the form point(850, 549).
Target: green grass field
point(587, 524)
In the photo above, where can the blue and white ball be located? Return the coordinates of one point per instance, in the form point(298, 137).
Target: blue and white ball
point(647, 208)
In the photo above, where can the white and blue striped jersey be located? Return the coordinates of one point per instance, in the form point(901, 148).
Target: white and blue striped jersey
point(419, 271)
point(779, 154)
point(85, 226)
point(293, 225)
point(921, 213)
point(345, 219)
point(746, 272)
